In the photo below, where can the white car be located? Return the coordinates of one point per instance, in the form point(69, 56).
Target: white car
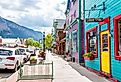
point(10, 58)
point(25, 54)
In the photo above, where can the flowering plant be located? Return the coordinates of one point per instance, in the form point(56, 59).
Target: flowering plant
point(88, 56)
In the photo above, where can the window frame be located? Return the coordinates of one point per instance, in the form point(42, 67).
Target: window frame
point(102, 45)
point(116, 37)
point(87, 47)
point(17, 52)
point(75, 36)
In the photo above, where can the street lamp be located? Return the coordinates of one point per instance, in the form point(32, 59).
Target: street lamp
point(55, 23)
point(44, 41)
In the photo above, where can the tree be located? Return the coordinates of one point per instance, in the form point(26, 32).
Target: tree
point(29, 42)
point(32, 42)
point(48, 41)
point(37, 44)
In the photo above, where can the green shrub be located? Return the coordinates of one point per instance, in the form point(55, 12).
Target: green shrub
point(89, 54)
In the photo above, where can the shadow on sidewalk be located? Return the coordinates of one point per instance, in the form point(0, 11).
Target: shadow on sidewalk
point(90, 75)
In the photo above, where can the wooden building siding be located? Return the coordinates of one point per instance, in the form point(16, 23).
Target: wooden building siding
point(113, 8)
point(72, 25)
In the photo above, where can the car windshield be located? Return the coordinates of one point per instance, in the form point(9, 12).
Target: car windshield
point(5, 52)
point(27, 50)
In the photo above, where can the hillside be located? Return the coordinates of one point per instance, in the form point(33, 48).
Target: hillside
point(9, 29)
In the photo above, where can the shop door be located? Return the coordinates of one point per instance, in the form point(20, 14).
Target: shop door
point(105, 52)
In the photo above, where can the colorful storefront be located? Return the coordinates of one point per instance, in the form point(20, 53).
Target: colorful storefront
point(72, 31)
point(72, 44)
point(104, 38)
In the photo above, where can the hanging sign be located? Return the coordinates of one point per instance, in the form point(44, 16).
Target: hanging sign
point(94, 19)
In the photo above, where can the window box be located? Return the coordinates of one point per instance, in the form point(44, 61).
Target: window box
point(89, 56)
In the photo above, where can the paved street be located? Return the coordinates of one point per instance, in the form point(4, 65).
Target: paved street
point(63, 72)
point(5, 73)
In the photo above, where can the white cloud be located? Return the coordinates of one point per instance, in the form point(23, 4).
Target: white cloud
point(33, 13)
point(47, 30)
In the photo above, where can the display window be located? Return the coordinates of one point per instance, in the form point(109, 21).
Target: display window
point(91, 41)
point(75, 43)
point(117, 37)
point(67, 42)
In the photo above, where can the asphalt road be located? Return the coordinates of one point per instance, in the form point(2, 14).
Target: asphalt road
point(5, 73)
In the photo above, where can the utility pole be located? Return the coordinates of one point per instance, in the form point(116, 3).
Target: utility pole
point(44, 41)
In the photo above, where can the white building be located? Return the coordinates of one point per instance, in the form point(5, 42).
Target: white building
point(12, 42)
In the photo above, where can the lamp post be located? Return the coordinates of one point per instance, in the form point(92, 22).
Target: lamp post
point(44, 41)
point(55, 24)
point(55, 27)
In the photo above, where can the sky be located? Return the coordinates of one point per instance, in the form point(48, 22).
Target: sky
point(34, 14)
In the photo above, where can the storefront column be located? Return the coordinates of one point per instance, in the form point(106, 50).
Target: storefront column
point(80, 59)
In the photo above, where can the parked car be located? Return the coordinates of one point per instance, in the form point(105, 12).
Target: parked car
point(25, 54)
point(10, 58)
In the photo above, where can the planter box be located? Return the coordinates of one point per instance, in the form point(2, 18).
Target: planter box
point(89, 58)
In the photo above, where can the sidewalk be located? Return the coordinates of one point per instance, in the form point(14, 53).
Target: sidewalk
point(83, 71)
point(63, 72)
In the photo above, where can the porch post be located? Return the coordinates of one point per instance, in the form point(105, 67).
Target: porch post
point(79, 33)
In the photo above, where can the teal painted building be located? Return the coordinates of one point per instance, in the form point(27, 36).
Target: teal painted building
point(104, 38)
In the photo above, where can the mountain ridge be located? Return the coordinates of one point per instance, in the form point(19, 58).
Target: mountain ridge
point(10, 29)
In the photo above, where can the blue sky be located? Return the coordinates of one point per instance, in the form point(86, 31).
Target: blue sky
point(35, 14)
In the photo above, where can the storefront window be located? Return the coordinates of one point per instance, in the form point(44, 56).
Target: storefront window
point(70, 43)
point(75, 45)
point(92, 41)
point(117, 37)
point(67, 42)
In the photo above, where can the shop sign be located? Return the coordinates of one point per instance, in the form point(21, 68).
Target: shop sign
point(94, 19)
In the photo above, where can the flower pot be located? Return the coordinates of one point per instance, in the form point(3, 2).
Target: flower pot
point(89, 58)
point(33, 62)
